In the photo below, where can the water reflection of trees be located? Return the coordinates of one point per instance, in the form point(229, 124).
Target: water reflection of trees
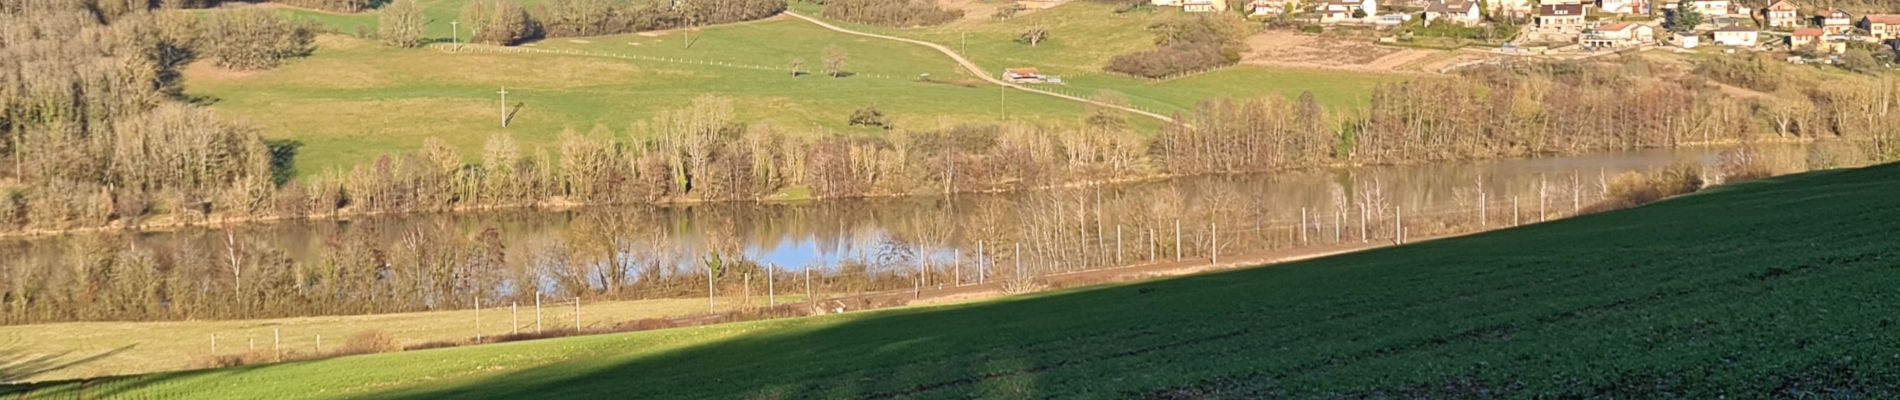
point(418, 263)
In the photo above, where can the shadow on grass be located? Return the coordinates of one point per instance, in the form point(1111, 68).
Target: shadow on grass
point(1454, 318)
point(19, 366)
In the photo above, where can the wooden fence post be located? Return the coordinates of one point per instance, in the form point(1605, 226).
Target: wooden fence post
point(478, 318)
point(1213, 242)
point(1303, 239)
point(771, 292)
point(1177, 240)
point(1516, 212)
point(577, 313)
point(514, 318)
point(537, 312)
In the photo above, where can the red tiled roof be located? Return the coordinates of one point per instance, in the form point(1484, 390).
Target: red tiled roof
point(1023, 71)
point(1884, 19)
point(1809, 32)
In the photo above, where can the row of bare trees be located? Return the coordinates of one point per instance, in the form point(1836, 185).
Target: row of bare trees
point(897, 13)
point(92, 119)
point(508, 22)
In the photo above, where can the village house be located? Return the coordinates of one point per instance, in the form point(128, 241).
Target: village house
point(1708, 8)
point(1203, 6)
point(1560, 16)
point(1817, 40)
point(1023, 75)
point(1456, 12)
point(1737, 36)
point(1624, 6)
point(1804, 37)
point(1503, 9)
point(1688, 40)
point(1881, 26)
point(1834, 21)
point(1619, 34)
point(1270, 8)
point(1782, 14)
point(1166, 3)
point(1343, 10)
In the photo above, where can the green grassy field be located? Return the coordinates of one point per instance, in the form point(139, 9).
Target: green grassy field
point(354, 99)
point(1775, 288)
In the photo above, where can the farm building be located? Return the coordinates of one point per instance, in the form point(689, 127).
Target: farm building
point(1023, 75)
point(1835, 21)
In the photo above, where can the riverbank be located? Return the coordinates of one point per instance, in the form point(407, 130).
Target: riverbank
point(170, 223)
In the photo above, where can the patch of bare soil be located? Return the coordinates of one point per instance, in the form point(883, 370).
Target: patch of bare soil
point(1302, 50)
point(208, 71)
point(983, 10)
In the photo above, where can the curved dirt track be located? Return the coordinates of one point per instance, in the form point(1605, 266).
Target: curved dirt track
point(975, 70)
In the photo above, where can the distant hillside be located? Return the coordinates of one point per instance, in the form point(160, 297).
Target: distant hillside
point(1781, 288)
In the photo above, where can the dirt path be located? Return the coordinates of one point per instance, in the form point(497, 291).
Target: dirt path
point(976, 70)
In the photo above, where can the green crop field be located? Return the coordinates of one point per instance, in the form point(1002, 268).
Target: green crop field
point(354, 99)
point(1776, 288)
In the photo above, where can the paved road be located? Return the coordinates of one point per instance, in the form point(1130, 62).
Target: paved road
point(978, 71)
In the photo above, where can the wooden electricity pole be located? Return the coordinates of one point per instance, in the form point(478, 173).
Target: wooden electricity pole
point(504, 106)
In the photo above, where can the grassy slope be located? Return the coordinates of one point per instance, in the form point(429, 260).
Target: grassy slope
point(1778, 288)
point(354, 99)
point(1084, 35)
point(141, 347)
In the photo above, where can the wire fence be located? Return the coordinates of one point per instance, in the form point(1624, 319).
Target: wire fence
point(1038, 252)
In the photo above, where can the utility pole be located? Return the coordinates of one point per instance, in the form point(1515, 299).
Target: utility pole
point(504, 106)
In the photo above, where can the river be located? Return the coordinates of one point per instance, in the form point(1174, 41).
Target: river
point(435, 259)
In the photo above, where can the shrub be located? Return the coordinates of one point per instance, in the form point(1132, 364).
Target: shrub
point(400, 24)
point(253, 39)
point(500, 22)
point(1185, 45)
point(1745, 70)
point(1744, 164)
point(869, 116)
point(1636, 188)
point(371, 341)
